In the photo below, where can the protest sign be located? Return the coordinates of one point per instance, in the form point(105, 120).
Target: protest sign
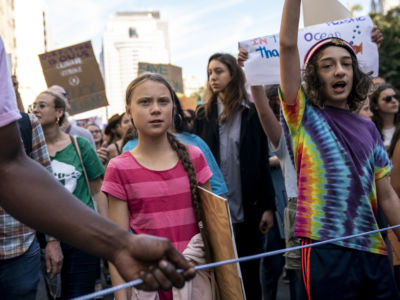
point(322, 11)
point(262, 67)
point(222, 243)
point(75, 69)
point(188, 102)
point(172, 73)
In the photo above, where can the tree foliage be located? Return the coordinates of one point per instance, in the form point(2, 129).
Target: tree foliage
point(389, 52)
point(355, 8)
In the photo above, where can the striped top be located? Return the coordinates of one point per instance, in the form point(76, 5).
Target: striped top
point(338, 157)
point(159, 202)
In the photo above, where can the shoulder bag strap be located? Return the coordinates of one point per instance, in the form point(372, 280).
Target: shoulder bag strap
point(78, 151)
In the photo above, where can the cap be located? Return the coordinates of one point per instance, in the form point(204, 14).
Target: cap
point(331, 41)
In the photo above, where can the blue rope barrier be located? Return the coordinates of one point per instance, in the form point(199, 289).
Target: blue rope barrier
point(236, 260)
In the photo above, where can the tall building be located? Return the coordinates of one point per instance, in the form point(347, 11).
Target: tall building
point(7, 32)
point(131, 37)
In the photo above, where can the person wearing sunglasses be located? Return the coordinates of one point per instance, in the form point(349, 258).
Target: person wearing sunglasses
point(385, 108)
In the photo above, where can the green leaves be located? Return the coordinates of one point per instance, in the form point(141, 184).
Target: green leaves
point(389, 52)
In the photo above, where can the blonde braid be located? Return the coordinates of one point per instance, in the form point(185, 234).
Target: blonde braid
point(183, 155)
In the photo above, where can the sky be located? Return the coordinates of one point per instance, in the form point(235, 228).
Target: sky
point(197, 29)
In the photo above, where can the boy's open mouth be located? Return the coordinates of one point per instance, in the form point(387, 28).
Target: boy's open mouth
point(339, 86)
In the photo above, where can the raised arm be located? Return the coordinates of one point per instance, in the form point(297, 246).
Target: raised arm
point(289, 54)
point(269, 122)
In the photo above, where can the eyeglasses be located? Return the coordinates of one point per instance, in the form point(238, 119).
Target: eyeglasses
point(95, 131)
point(40, 106)
point(387, 99)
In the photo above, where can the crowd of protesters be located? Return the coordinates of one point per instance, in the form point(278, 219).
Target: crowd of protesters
point(314, 158)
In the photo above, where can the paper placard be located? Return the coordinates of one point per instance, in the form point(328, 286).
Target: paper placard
point(222, 243)
point(262, 67)
point(75, 69)
point(172, 73)
point(321, 11)
point(188, 103)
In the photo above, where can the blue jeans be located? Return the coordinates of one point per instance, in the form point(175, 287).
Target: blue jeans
point(19, 276)
point(79, 272)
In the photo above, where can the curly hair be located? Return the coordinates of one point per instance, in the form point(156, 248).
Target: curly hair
point(314, 86)
point(373, 98)
point(235, 91)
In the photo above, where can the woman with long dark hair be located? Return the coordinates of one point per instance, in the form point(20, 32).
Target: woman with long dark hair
point(229, 124)
point(384, 103)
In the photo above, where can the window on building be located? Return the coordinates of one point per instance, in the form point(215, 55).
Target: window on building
point(132, 32)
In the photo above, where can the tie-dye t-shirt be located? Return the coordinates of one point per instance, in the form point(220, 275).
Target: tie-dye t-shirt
point(338, 157)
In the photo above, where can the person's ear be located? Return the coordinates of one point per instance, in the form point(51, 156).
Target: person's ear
point(59, 113)
point(128, 111)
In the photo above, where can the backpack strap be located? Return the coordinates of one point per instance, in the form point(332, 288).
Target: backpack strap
point(25, 129)
point(74, 142)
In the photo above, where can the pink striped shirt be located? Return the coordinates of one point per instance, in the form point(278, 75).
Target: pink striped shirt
point(159, 202)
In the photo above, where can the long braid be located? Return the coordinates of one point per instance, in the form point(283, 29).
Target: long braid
point(183, 155)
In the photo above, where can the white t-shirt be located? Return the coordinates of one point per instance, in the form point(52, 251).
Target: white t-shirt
point(8, 104)
point(288, 170)
point(387, 135)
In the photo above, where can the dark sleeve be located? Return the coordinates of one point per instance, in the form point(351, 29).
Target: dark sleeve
point(198, 123)
point(268, 186)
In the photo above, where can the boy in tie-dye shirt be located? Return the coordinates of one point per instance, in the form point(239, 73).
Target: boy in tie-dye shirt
point(338, 156)
point(342, 169)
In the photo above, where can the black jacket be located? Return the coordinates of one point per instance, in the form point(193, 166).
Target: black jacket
point(257, 187)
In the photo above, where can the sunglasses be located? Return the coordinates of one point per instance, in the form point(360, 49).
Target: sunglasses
point(388, 99)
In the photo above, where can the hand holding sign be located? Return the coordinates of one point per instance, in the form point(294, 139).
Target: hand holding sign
point(262, 67)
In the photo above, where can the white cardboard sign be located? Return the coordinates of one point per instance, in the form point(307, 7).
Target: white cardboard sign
point(262, 67)
point(321, 11)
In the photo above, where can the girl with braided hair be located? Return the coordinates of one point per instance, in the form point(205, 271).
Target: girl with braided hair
point(153, 188)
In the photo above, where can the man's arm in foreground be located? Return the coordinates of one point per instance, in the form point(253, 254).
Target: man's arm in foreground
point(33, 196)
